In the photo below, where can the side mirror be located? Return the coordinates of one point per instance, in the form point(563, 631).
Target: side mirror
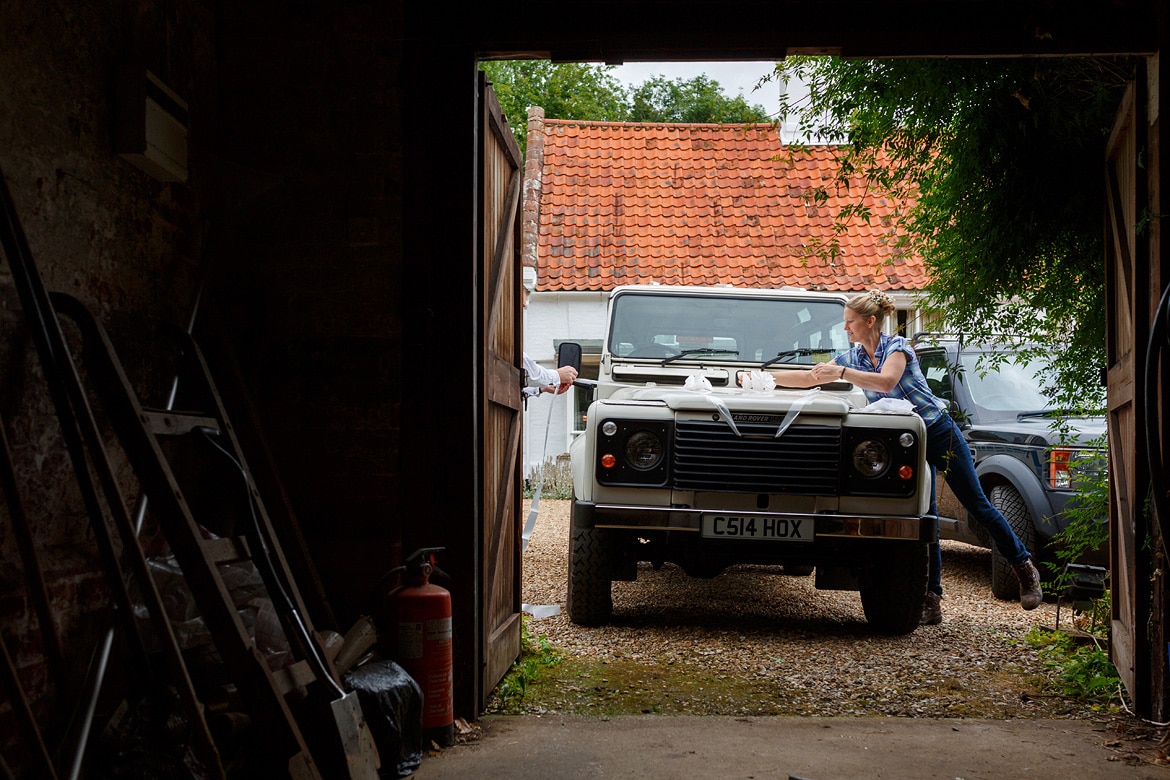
point(569, 354)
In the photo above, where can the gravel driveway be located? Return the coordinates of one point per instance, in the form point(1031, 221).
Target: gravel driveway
point(751, 641)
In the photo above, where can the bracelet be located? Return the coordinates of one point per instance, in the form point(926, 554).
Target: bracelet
point(842, 376)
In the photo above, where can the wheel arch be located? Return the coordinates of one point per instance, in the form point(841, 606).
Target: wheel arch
point(1006, 470)
point(579, 466)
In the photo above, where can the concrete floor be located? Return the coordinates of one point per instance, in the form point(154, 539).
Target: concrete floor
point(555, 746)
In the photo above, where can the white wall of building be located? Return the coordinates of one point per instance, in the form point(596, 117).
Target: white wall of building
point(552, 317)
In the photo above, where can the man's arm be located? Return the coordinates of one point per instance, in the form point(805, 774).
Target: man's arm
point(538, 375)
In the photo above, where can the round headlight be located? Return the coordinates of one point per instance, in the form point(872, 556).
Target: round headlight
point(906, 440)
point(871, 459)
point(609, 427)
point(644, 450)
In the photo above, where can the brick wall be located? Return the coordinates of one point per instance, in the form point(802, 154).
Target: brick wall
point(292, 215)
point(127, 246)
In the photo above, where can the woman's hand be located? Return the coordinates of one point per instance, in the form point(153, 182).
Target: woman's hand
point(826, 372)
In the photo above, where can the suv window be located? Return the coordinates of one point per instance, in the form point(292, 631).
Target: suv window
point(1001, 390)
point(999, 385)
point(934, 368)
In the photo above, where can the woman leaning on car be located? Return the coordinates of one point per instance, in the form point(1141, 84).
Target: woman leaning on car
point(885, 366)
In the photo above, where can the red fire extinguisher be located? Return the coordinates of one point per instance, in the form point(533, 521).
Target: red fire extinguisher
point(418, 622)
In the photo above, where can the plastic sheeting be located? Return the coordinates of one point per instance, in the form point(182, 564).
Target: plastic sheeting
point(392, 705)
point(248, 593)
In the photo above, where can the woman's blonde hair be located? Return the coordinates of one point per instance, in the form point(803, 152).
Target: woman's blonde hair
point(874, 303)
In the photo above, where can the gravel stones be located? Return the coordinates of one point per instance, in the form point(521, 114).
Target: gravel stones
point(762, 642)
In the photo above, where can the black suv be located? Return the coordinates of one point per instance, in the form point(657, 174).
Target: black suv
point(1027, 454)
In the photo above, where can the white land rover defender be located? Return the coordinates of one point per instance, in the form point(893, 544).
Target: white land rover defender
point(682, 461)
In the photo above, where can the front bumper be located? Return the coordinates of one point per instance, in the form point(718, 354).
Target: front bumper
point(587, 514)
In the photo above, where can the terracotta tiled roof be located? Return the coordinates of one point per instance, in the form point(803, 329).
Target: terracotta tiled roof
point(700, 204)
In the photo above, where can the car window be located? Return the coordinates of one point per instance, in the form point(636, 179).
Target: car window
point(934, 368)
point(1001, 387)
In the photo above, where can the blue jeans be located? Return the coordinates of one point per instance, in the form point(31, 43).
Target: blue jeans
point(947, 450)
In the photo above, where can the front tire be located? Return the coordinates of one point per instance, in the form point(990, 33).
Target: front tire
point(1009, 502)
point(590, 599)
point(893, 587)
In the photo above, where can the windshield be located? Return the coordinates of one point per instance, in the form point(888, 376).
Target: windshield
point(749, 329)
point(1002, 390)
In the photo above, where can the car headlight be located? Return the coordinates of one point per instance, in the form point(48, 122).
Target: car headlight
point(1067, 466)
point(634, 452)
point(644, 450)
point(871, 458)
point(880, 462)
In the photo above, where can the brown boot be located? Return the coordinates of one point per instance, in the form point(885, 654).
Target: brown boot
point(931, 610)
point(1030, 593)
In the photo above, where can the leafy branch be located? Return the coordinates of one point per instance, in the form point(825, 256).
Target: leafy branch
point(995, 158)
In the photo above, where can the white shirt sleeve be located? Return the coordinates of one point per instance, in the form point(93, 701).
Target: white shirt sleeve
point(538, 375)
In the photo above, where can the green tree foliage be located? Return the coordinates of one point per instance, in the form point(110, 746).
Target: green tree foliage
point(565, 91)
point(696, 101)
point(1003, 161)
point(1004, 158)
point(591, 93)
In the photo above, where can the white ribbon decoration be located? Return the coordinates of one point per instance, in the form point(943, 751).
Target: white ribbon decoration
point(795, 410)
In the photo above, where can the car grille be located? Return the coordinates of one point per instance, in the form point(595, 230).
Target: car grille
point(709, 456)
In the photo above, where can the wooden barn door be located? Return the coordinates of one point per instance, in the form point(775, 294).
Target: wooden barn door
point(501, 333)
point(1127, 283)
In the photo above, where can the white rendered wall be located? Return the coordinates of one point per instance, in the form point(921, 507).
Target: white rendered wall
point(552, 317)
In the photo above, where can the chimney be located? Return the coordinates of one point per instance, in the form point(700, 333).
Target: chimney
point(530, 217)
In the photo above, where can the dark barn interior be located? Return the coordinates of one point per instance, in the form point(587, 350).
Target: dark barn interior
point(303, 223)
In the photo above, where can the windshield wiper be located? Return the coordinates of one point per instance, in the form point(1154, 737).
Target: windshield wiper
point(699, 351)
point(1050, 413)
point(789, 353)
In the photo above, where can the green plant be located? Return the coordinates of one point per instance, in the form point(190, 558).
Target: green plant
point(1096, 619)
point(557, 481)
point(1084, 670)
point(1088, 529)
point(536, 655)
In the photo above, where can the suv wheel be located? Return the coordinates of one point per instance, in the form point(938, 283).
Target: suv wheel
point(893, 587)
point(1010, 504)
point(590, 602)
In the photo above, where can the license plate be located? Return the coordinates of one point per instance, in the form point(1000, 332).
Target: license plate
point(788, 529)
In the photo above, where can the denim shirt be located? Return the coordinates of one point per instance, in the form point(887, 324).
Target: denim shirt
point(911, 386)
